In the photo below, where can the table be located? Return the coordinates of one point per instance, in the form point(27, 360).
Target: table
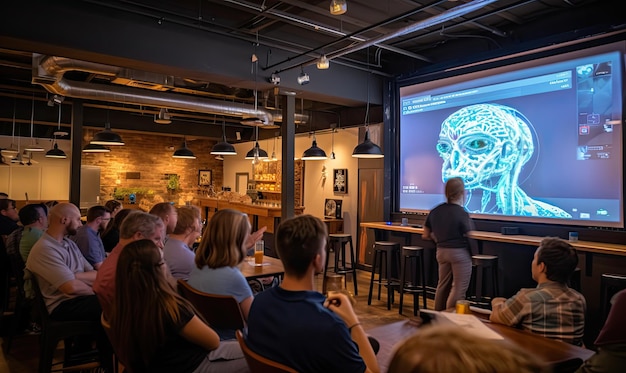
point(549, 350)
point(274, 267)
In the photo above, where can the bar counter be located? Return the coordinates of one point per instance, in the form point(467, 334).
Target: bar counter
point(261, 213)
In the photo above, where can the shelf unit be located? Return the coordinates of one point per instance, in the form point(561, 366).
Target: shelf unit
point(267, 178)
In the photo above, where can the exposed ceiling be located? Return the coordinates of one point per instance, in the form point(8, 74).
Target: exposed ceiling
point(373, 42)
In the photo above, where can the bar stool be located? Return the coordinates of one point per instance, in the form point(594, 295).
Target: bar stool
point(337, 243)
point(480, 263)
point(610, 283)
point(413, 256)
point(389, 252)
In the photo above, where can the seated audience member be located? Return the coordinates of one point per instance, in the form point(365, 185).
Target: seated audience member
point(169, 336)
point(114, 207)
point(3, 195)
point(221, 250)
point(8, 217)
point(295, 325)
point(552, 309)
point(111, 235)
point(8, 224)
point(610, 356)
point(137, 225)
point(167, 212)
point(34, 218)
point(177, 251)
point(87, 237)
point(64, 275)
point(445, 348)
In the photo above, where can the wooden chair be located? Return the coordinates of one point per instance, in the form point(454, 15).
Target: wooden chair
point(258, 363)
point(119, 358)
point(53, 331)
point(220, 311)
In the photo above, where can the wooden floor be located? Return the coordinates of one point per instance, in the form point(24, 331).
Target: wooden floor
point(23, 357)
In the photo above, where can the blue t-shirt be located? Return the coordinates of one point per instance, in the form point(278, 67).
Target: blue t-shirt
point(222, 281)
point(90, 244)
point(294, 328)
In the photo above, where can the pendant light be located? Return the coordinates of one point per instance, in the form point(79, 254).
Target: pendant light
point(332, 143)
point(12, 149)
point(256, 152)
point(338, 7)
point(314, 153)
point(95, 148)
point(184, 152)
point(107, 137)
point(33, 147)
point(273, 157)
point(55, 152)
point(223, 147)
point(367, 149)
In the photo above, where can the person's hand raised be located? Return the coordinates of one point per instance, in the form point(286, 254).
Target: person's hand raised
point(254, 237)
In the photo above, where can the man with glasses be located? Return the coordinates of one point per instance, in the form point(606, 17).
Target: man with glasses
point(88, 238)
point(137, 225)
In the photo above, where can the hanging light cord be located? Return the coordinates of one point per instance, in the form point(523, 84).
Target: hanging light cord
point(32, 116)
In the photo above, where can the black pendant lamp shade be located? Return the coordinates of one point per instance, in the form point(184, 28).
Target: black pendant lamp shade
point(95, 148)
point(367, 149)
point(256, 152)
point(223, 147)
point(107, 137)
point(184, 152)
point(55, 152)
point(314, 153)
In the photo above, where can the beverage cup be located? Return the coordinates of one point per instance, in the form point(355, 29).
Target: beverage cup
point(405, 222)
point(463, 306)
point(259, 249)
point(573, 236)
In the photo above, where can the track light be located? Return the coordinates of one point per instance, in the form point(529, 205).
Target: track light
point(275, 79)
point(163, 117)
point(338, 7)
point(303, 78)
point(323, 63)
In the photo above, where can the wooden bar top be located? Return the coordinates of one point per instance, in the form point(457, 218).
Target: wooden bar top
point(583, 246)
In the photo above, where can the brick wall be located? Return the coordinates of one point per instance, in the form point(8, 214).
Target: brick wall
point(151, 156)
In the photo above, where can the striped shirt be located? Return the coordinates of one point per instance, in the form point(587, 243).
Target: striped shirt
point(552, 310)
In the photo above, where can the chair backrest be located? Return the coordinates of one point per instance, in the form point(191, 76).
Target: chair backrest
point(40, 302)
point(258, 363)
point(120, 358)
point(220, 311)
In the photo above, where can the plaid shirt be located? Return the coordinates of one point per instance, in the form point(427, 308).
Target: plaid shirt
point(551, 309)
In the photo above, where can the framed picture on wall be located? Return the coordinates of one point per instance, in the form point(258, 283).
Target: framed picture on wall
point(205, 177)
point(332, 209)
point(340, 180)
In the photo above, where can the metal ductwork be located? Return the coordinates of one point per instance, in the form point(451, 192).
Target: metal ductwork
point(48, 71)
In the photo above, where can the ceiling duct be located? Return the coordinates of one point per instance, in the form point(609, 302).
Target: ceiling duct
point(48, 72)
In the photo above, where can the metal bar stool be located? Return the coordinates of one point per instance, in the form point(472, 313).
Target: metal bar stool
point(337, 242)
point(389, 252)
point(412, 256)
point(610, 283)
point(480, 263)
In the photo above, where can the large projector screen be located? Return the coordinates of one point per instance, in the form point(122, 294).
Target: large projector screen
point(538, 141)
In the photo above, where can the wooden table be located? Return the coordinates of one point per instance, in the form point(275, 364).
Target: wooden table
point(271, 267)
point(549, 350)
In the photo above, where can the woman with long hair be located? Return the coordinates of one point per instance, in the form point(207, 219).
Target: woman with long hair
point(222, 248)
point(154, 329)
point(111, 235)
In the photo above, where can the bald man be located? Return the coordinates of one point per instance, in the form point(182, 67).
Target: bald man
point(65, 277)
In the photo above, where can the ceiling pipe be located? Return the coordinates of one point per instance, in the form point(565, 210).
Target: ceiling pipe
point(448, 15)
point(48, 72)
